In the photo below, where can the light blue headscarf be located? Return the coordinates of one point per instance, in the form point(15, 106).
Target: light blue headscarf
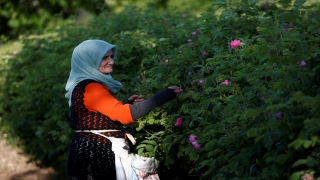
point(85, 62)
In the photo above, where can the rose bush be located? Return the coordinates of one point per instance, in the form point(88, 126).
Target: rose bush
point(250, 106)
point(249, 110)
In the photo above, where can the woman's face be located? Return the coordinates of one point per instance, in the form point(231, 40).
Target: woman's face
point(107, 63)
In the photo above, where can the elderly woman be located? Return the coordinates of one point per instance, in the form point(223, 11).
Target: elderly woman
point(90, 91)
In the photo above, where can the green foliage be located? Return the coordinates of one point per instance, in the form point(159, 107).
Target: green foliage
point(18, 17)
point(263, 123)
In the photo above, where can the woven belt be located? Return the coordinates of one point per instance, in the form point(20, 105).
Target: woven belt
point(98, 132)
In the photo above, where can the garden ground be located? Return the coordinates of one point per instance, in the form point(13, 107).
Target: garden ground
point(14, 165)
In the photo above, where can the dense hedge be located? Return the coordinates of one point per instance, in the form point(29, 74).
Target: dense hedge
point(20, 17)
point(249, 110)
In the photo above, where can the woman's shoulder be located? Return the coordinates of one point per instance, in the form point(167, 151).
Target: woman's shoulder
point(82, 84)
point(88, 81)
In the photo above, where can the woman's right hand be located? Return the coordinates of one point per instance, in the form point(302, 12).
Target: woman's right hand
point(176, 89)
point(136, 98)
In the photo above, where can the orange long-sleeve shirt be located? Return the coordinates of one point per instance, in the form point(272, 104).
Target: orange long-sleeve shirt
point(98, 98)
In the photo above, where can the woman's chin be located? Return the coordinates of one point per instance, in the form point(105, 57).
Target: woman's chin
point(106, 71)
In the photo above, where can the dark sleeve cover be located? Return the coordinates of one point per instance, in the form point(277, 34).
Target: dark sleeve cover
point(142, 108)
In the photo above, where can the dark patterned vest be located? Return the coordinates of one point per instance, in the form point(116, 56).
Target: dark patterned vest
point(82, 118)
point(91, 154)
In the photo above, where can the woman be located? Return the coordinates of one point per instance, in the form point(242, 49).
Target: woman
point(90, 90)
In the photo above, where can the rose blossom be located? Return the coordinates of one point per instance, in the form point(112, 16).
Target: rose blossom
point(196, 145)
point(226, 82)
point(307, 176)
point(235, 43)
point(192, 139)
point(303, 63)
point(279, 115)
point(178, 122)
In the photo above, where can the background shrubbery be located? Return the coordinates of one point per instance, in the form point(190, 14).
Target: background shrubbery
point(262, 124)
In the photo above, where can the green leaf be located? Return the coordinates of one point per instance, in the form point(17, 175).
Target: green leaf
point(307, 144)
point(249, 113)
point(310, 161)
point(283, 158)
point(252, 132)
point(141, 146)
point(269, 159)
point(299, 162)
point(227, 109)
point(244, 160)
point(151, 121)
point(296, 144)
point(153, 143)
point(313, 28)
point(257, 139)
point(299, 3)
point(141, 125)
point(296, 176)
point(140, 151)
point(233, 166)
point(208, 162)
point(150, 148)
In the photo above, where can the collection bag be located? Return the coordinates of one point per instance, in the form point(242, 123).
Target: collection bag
point(130, 166)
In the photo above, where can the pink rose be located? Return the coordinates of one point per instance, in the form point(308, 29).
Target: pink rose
point(196, 145)
point(226, 82)
point(235, 43)
point(279, 115)
point(307, 176)
point(192, 139)
point(303, 63)
point(178, 122)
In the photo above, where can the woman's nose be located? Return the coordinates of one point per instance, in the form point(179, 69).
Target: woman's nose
point(111, 61)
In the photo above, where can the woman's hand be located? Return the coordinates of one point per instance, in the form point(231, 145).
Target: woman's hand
point(176, 89)
point(136, 98)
